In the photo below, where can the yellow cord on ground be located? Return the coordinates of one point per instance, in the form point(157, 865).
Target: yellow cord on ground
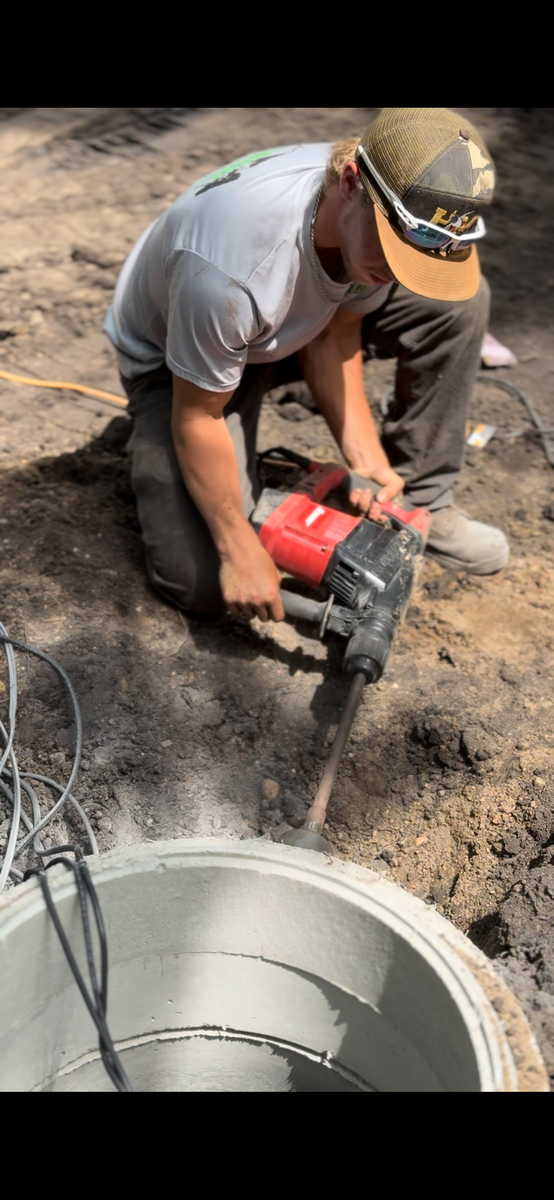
point(66, 387)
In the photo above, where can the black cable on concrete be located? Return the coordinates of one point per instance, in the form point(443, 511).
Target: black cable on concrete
point(97, 1003)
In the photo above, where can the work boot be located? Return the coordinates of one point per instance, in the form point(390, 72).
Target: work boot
point(459, 542)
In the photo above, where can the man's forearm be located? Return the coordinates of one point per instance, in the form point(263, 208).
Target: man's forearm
point(207, 460)
point(248, 577)
point(332, 368)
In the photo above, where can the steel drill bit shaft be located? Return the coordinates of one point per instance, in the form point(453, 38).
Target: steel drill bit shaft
point(315, 817)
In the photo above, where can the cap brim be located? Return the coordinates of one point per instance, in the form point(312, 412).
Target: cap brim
point(425, 273)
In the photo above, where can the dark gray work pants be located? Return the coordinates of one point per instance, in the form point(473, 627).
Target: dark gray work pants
point(437, 345)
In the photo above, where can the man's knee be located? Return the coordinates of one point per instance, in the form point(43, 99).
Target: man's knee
point(190, 585)
point(470, 316)
point(467, 319)
point(478, 307)
point(408, 321)
point(461, 313)
point(181, 559)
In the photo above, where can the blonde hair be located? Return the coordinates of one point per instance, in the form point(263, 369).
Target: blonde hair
point(341, 153)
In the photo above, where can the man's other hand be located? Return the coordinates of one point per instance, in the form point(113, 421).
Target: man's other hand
point(250, 584)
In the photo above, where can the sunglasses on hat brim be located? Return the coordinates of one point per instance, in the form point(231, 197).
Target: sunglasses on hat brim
point(422, 233)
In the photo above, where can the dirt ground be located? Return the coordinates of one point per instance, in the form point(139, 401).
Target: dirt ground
point(447, 786)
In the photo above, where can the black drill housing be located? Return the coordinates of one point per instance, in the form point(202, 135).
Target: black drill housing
point(370, 576)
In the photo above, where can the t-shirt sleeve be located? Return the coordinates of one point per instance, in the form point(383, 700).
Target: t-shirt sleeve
point(211, 319)
point(365, 300)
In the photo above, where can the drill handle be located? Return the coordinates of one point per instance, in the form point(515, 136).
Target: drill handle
point(302, 607)
point(400, 509)
point(323, 478)
point(352, 481)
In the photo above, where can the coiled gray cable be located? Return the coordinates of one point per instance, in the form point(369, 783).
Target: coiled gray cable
point(13, 781)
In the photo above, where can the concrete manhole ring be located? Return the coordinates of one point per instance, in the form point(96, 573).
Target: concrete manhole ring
point(246, 966)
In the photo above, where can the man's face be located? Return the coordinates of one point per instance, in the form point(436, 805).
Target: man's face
point(360, 246)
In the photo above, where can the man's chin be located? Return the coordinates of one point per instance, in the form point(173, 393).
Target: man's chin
point(369, 280)
point(377, 281)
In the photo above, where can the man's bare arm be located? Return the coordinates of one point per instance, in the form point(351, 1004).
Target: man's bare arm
point(332, 368)
point(249, 579)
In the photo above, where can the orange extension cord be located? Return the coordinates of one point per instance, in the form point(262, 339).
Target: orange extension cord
point(66, 387)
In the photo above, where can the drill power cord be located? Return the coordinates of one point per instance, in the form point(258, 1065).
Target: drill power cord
point(506, 386)
point(14, 782)
point(513, 390)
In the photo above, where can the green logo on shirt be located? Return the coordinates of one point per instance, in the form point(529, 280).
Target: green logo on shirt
point(233, 170)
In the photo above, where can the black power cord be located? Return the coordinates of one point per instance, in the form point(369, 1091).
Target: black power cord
point(97, 1003)
point(507, 386)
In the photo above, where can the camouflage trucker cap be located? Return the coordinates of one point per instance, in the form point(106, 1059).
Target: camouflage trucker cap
point(430, 165)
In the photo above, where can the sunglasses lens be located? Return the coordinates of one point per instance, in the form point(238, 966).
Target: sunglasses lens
point(429, 239)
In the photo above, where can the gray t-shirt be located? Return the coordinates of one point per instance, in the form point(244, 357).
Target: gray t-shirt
point(226, 276)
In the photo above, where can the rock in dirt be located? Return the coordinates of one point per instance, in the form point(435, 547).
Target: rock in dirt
point(99, 257)
point(270, 790)
point(511, 675)
point(295, 809)
point(211, 715)
point(294, 412)
point(479, 746)
point(102, 755)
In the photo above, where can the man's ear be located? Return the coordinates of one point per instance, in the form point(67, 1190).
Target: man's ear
point(349, 182)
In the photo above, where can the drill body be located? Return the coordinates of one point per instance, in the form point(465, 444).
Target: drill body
point(366, 569)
